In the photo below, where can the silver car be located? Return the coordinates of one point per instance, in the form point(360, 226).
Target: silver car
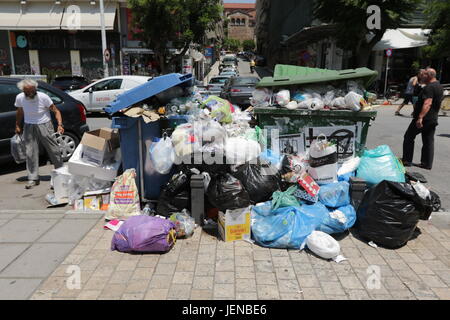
point(216, 84)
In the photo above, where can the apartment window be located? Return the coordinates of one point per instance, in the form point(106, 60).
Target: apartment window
point(238, 22)
point(243, 22)
point(233, 22)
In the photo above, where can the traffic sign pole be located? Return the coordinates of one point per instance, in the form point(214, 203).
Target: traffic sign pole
point(102, 22)
point(388, 54)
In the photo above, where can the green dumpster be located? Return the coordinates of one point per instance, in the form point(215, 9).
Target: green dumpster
point(294, 130)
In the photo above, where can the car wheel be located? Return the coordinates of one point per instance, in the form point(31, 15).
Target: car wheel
point(68, 143)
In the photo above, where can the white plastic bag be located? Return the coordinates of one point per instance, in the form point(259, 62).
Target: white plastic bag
point(328, 98)
point(353, 101)
point(282, 97)
point(162, 154)
point(421, 190)
point(349, 166)
point(18, 150)
point(240, 150)
point(323, 245)
point(292, 105)
point(323, 161)
point(261, 98)
point(316, 104)
point(339, 103)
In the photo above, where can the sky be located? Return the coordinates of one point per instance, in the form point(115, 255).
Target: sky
point(239, 1)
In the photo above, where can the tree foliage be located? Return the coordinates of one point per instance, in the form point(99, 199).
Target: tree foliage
point(173, 23)
point(232, 44)
point(438, 20)
point(350, 18)
point(248, 45)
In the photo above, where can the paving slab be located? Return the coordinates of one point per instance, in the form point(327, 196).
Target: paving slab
point(9, 252)
point(17, 289)
point(68, 230)
point(38, 261)
point(25, 230)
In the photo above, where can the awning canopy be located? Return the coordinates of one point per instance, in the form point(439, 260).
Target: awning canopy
point(196, 55)
point(88, 17)
point(403, 38)
point(32, 16)
point(9, 15)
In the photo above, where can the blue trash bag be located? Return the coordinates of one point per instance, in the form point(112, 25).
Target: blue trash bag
point(347, 176)
point(269, 156)
point(380, 164)
point(263, 209)
point(338, 220)
point(285, 228)
point(335, 194)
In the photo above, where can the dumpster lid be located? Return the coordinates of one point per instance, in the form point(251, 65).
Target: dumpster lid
point(322, 113)
point(147, 90)
point(285, 75)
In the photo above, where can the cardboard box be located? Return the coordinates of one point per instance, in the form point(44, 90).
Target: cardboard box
point(235, 224)
point(77, 166)
point(94, 201)
point(99, 146)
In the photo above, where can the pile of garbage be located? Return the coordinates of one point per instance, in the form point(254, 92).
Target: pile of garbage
point(347, 96)
point(251, 192)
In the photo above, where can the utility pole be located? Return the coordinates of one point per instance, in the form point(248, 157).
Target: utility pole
point(102, 22)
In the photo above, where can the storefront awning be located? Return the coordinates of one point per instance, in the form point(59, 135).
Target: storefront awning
point(9, 15)
point(88, 17)
point(39, 16)
point(403, 38)
point(137, 51)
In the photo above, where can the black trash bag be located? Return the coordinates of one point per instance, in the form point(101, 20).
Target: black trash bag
point(389, 213)
point(260, 181)
point(226, 192)
point(436, 201)
point(175, 195)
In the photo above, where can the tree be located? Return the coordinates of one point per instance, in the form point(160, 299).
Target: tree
point(350, 18)
point(248, 45)
point(173, 23)
point(438, 20)
point(232, 44)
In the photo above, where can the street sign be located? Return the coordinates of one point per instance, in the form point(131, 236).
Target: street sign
point(209, 52)
point(107, 55)
point(388, 52)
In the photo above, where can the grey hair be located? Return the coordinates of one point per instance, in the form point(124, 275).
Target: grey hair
point(27, 83)
point(431, 72)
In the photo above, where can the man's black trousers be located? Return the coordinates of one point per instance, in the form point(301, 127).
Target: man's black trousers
point(427, 131)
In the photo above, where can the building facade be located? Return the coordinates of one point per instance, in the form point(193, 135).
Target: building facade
point(241, 20)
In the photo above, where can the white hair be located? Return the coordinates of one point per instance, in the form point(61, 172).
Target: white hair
point(27, 83)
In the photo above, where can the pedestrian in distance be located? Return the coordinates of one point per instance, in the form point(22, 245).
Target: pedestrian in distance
point(408, 96)
point(252, 65)
point(33, 110)
point(425, 120)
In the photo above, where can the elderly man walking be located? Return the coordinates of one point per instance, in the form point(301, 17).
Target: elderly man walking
point(33, 108)
point(425, 120)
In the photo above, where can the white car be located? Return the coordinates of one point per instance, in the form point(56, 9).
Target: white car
point(101, 93)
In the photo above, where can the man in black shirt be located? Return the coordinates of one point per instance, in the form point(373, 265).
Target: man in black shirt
point(425, 120)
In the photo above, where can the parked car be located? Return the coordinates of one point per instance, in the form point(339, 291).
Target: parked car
point(228, 73)
point(239, 90)
point(228, 69)
point(73, 114)
point(230, 58)
point(216, 84)
point(227, 65)
point(70, 83)
point(101, 93)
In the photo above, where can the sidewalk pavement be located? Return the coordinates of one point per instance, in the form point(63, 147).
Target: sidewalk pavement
point(33, 243)
point(203, 267)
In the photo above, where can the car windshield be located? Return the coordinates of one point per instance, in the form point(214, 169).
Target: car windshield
point(245, 81)
point(218, 80)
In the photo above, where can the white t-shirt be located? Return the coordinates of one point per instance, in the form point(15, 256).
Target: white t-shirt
point(36, 111)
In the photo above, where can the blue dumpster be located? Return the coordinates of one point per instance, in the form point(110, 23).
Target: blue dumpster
point(136, 136)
